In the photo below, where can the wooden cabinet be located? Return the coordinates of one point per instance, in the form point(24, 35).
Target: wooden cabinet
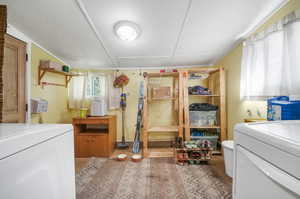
point(95, 136)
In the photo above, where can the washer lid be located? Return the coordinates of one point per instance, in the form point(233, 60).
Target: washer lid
point(17, 137)
point(281, 134)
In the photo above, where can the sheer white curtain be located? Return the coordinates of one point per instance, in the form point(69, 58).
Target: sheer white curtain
point(114, 94)
point(77, 91)
point(88, 86)
point(271, 61)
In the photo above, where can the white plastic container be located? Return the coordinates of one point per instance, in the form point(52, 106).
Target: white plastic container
point(228, 147)
point(98, 107)
point(39, 105)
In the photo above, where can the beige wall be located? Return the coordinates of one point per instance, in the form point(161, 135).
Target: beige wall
point(237, 109)
point(55, 95)
point(160, 113)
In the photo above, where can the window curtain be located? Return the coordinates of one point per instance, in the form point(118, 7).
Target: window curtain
point(77, 91)
point(114, 94)
point(79, 97)
point(271, 61)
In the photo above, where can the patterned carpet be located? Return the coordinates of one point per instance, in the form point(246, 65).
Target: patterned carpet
point(157, 178)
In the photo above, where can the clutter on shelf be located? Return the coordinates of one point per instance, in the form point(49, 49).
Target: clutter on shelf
point(193, 152)
point(200, 76)
point(47, 66)
point(199, 90)
point(168, 71)
point(203, 132)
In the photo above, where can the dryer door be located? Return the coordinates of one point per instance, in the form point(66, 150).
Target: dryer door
point(257, 178)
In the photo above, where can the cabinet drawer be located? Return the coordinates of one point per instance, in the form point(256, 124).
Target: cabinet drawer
point(92, 146)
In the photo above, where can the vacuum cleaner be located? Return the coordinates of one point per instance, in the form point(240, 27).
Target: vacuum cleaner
point(123, 144)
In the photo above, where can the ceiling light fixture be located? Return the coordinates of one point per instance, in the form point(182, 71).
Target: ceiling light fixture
point(127, 30)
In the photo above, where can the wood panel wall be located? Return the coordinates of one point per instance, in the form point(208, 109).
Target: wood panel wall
point(3, 26)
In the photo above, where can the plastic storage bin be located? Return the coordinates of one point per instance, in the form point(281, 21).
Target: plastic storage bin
point(39, 105)
point(203, 118)
point(280, 108)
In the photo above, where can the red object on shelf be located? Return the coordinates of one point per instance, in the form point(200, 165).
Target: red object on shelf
point(168, 71)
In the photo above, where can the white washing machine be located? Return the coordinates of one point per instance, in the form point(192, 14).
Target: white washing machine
point(267, 160)
point(36, 161)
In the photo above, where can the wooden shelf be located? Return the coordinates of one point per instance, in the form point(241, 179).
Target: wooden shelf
point(193, 149)
point(216, 152)
point(42, 71)
point(160, 152)
point(204, 127)
point(163, 129)
point(182, 155)
point(161, 99)
point(204, 95)
point(165, 74)
point(210, 70)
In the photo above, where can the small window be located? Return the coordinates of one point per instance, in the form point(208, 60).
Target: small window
point(96, 85)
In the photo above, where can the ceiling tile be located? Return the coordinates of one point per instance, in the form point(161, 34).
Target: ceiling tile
point(60, 27)
point(159, 21)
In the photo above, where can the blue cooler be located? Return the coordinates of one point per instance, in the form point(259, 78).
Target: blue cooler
point(281, 108)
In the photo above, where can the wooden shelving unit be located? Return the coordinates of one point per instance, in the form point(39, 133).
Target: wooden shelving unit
point(216, 83)
point(177, 107)
point(42, 71)
point(205, 95)
point(204, 127)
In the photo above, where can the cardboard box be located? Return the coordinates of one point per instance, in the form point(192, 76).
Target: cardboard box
point(161, 92)
point(50, 64)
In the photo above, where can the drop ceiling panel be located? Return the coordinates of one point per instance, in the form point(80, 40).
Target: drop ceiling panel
point(159, 20)
point(213, 26)
point(147, 61)
point(60, 27)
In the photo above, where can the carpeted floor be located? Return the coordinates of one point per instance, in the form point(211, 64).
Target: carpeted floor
point(156, 178)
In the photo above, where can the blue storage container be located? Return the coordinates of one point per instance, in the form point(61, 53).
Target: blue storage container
point(281, 108)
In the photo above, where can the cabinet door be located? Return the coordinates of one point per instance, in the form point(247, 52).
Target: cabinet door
point(84, 149)
point(92, 146)
point(99, 145)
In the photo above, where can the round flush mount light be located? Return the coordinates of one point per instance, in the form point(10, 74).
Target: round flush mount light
point(127, 30)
